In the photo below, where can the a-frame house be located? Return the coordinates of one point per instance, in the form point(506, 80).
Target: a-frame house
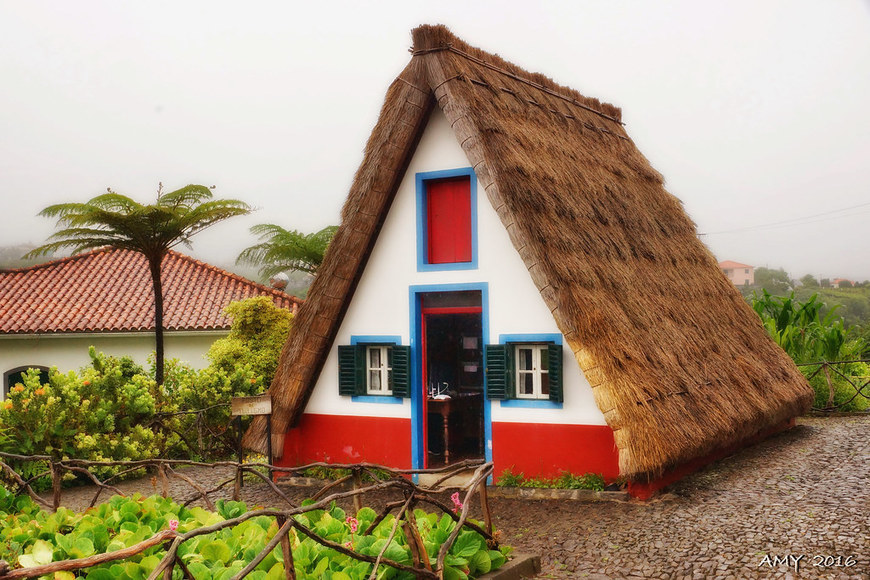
point(511, 280)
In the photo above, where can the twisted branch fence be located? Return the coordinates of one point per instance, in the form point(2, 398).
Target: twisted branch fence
point(860, 384)
point(473, 473)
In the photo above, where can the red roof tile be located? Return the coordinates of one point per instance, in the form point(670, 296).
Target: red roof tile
point(110, 291)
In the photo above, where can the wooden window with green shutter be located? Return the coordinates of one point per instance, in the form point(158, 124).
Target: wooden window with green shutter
point(524, 371)
point(374, 369)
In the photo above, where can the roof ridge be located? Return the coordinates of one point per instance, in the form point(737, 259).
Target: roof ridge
point(437, 38)
point(236, 277)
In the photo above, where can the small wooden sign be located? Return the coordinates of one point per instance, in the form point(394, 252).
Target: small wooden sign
point(259, 405)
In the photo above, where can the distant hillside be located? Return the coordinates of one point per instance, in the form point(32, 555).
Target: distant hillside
point(10, 256)
point(854, 302)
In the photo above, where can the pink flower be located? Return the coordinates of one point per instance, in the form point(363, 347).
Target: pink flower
point(352, 523)
point(457, 505)
point(173, 525)
point(348, 545)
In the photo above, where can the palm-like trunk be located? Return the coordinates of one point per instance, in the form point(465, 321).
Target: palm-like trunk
point(154, 266)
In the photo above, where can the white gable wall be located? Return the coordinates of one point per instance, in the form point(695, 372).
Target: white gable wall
point(381, 304)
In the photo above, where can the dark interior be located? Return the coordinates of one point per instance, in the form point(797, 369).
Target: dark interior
point(454, 384)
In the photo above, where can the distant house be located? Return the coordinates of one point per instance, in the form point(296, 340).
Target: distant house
point(839, 283)
point(739, 274)
point(51, 313)
point(511, 281)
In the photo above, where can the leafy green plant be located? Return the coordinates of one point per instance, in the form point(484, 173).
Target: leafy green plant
point(30, 536)
point(586, 481)
point(334, 473)
point(808, 337)
point(510, 479)
point(566, 480)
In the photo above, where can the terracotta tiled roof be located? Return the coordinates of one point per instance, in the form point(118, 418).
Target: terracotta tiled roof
point(110, 291)
point(731, 264)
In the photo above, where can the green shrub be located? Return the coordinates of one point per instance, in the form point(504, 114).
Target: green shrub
point(198, 407)
point(258, 333)
point(241, 365)
point(587, 481)
point(845, 398)
point(101, 413)
point(566, 480)
point(808, 337)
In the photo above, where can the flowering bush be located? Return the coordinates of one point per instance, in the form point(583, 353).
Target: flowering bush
point(101, 413)
point(114, 410)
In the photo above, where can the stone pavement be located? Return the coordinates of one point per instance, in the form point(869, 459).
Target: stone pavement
point(794, 506)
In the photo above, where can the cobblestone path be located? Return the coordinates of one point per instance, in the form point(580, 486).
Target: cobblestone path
point(803, 494)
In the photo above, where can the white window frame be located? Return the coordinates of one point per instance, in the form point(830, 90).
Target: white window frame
point(537, 371)
point(383, 370)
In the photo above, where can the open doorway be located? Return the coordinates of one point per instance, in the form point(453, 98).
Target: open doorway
point(452, 376)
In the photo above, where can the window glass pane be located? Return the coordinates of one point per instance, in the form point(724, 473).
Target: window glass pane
point(545, 384)
point(527, 384)
point(374, 358)
point(545, 358)
point(375, 380)
point(524, 358)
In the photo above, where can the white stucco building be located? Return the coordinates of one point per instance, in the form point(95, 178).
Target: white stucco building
point(50, 314)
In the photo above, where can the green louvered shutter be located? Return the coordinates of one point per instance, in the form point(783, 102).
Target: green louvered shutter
point(351, 372)
point(498, 365)
point(400, 361)
point(554, 370)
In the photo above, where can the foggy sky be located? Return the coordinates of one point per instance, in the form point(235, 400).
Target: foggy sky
point(756, 112)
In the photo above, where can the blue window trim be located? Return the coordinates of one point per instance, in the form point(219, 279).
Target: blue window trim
point(421, 179)
point(376, 339)
point(379, 399)
point(555, 338)
point(414, 292)
point(529, 404)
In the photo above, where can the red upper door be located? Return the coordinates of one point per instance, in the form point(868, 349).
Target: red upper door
point(448, 227)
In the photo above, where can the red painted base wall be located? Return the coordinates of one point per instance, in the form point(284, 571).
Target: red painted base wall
point(546, 450)
point(346, 439)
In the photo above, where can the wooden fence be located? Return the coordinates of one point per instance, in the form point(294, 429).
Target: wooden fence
point(859, 384)
point(474, 475)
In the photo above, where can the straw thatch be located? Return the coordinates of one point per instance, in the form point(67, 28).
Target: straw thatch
point(678, 363)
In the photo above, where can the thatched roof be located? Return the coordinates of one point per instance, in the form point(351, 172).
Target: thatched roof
point(678, 363)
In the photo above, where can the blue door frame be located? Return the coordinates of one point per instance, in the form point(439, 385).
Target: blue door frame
point(418, 443)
